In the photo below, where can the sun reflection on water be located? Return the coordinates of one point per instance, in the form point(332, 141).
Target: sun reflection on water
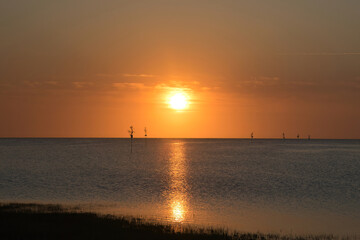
point(178, 211)
point(178, 184)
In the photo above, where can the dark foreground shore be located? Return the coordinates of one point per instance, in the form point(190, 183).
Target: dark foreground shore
point(36, 221)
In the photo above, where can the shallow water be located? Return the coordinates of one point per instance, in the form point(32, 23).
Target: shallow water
point(292, 186)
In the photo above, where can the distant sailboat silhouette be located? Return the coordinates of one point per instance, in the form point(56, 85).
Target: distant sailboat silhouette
point(308, 137)
point(252, 136)
point(298, 136)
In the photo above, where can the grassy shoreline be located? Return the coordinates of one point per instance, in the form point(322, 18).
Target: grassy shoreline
point(53, 221)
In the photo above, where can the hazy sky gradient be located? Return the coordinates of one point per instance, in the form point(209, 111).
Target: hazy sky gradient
point(93, 68)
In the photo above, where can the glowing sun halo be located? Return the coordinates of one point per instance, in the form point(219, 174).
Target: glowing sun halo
point(178, 101)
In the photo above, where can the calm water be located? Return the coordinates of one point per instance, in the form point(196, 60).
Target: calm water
point(267, 185)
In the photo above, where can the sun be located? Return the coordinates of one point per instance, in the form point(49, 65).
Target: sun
point(178, 101)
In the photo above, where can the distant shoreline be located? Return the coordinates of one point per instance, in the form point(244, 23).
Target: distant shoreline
point(54, 221)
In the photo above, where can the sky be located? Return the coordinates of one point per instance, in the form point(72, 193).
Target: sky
point(93, 68)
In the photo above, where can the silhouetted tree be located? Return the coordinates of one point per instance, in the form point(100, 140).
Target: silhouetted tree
point(131, 132)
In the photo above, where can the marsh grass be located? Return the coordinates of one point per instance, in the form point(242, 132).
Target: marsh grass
point(50, 221)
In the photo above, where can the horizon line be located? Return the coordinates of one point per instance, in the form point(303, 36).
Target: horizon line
point(234, 138)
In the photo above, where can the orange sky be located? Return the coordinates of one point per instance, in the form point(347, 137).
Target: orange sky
point(92, 69)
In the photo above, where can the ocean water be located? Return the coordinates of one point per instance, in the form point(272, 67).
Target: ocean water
point(292, 186)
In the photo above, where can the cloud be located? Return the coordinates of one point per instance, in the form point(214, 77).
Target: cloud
point(139, 75)
point(205, 88)
point(32, 83)
point(355, 83)
point(319, 54)
point(107, 75)
point(175, 86)
point(261, 81)
point(51, 82)
point(126, 75)
point(137, 86)
point(352, 53)
point(82, 84)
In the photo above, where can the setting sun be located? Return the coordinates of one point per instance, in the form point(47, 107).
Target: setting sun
point(178, 101)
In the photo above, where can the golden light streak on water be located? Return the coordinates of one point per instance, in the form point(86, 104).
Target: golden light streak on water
point(178, 184)
point(178, 212)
